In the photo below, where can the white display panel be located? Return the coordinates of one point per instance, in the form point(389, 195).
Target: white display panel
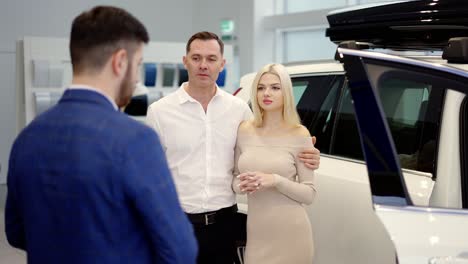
point(47, 71)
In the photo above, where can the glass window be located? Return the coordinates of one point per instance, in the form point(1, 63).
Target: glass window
point(295, 6)
point(346, 142)
point(371, 1)
point(406, 111)
point(413, 120)
point(299, 88)
point(307, 45)
point(316, 98)
point(412, 109)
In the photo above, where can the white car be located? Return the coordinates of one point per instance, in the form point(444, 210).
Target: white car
point(393, 187)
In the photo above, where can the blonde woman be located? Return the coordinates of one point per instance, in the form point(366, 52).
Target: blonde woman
point(269, 171)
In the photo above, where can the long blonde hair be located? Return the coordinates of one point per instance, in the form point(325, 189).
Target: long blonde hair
point(289, 109)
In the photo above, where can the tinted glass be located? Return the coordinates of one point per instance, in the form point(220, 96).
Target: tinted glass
point(316, 98)
point(412, 109)
point(346, 141)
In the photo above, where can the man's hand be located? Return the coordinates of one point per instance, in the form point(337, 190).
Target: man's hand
point(310, 156)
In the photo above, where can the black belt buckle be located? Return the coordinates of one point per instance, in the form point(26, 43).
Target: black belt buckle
point(210, 218)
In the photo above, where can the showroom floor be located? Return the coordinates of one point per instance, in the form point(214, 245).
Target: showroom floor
point(7, 253)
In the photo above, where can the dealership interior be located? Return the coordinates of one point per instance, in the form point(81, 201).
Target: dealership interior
point(255, 32)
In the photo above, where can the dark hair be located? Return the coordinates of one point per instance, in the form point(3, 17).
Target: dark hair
point(97, 33)
point(205, 35)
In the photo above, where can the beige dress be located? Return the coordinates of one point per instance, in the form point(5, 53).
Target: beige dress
point(278, 229)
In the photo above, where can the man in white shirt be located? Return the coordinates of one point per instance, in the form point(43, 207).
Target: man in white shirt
point(198, 125)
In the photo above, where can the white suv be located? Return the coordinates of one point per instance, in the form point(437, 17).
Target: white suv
point(414, 99)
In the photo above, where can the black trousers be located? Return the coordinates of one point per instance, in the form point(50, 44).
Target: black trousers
point(216, 241)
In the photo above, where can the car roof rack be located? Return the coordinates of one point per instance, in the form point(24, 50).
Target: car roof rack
point(351, 44)
point(456, 50)
point(422, 25)
point(302, 62)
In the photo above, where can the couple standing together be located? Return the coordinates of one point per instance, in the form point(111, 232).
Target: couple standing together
point(87, 184)
point(198, 126)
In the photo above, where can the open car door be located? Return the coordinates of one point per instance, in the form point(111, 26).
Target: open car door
point(434, 233)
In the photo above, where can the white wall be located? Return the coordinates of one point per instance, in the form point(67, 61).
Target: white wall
point(165, 21)
point(52, 18)
point(207, 15)
point(7, 108)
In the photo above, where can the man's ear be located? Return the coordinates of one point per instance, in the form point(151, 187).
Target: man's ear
point(184, 61)
point(120, 62)
point(222, 65)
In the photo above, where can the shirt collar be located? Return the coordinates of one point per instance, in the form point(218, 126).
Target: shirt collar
point(90, 88)
point(185, 97)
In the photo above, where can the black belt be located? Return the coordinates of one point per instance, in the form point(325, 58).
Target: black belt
point(209, 218)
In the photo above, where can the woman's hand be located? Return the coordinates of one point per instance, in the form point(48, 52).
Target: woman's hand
point(248, 183)
point(254, 181)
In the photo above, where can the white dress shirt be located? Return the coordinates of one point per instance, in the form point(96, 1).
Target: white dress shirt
point(199, 146)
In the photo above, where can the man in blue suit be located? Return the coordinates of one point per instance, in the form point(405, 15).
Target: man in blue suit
point(86, 183)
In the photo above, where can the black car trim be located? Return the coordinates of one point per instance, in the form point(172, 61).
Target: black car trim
point(424, 24)
point(385, 176)
point(464, 151)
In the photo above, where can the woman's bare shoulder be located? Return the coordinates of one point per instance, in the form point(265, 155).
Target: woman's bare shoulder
point(300, 130)
point(246, 127)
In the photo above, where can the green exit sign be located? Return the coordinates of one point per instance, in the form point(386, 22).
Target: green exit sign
point(227, 27)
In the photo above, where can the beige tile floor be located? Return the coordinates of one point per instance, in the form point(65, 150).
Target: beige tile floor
point(8, 254)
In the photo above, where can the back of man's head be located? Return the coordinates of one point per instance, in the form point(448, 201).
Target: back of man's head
point(97, 33)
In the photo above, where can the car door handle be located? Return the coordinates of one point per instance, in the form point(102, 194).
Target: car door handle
point(448, 260)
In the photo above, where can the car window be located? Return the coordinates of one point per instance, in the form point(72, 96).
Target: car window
point(412, 108)
point(316, 98)
point(424, 106)
point(299, 88)
point(346, 141)
point(412, 123)
point(412, 117)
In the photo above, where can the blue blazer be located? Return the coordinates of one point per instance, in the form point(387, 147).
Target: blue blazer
point(87, 184)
